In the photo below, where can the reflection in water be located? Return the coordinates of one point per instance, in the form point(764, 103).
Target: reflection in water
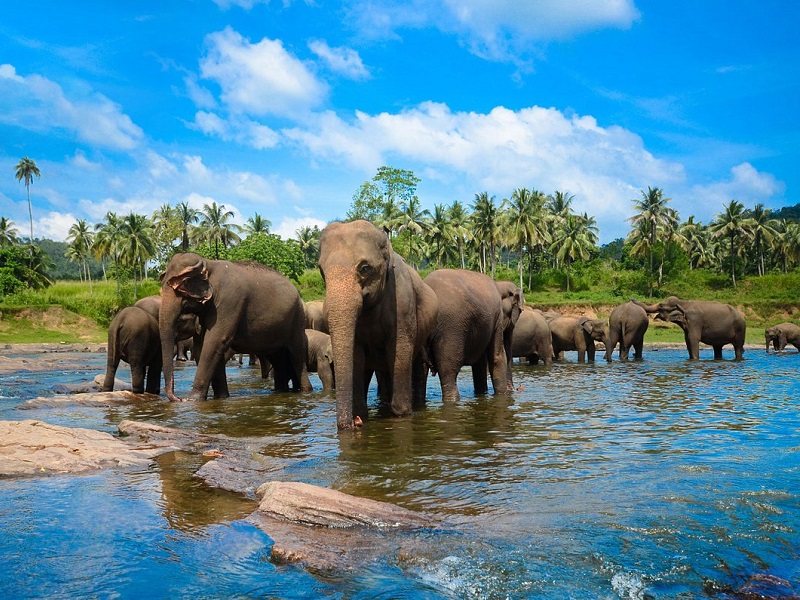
point(659, 478)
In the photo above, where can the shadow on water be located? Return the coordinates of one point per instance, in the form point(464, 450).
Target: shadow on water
point(656, 479)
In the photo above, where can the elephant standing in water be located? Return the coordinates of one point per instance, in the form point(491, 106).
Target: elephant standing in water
point(513, 303)
point(133, 337)
point(187, 335)
point(243, 307)
point(379, 315)
point(578, 333)
point(532, 338)
point(627, 325)
point(778, 336)
point(469, 331)
point(320, 358)
point(712, 323)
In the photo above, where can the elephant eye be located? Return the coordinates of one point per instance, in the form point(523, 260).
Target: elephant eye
point(365, 270)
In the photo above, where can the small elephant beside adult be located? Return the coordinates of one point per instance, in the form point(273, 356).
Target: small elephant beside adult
point(469, 331)
point(320, 358)
point(242, 306)
point(532, 339)
point(133, 337)
point(702, 321)
point(380, 315)
point(513, 301)
point(781, 335)
point(315, 315)
point(578, 333)
point(627, 325)
point(187, 333)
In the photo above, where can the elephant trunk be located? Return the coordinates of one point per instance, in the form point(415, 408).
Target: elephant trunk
point(343, 305)
point(649, 308)
point(167, 323)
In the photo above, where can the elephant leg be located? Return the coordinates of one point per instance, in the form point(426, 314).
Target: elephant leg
point(718, 352)
point(419, 383)
point(111, 372)
point(693, 346)
point(219, 382)
point(325, 374)
point(137, 377)
point(480, 381)
point(581, 353)
point(590, 351)
point(637, 349)
point(624, 351)
point(266, 366)
point(154, 377)
point(361, 379)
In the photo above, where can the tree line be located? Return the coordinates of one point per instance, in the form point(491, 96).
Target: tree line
point(530, 231)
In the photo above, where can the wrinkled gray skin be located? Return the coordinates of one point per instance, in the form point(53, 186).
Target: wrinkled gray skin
point(380, 315)
point(627, 325)
point(712, 323)
point(532, 339)
point(779, 336)
point(513, 302)
point(242, 306)
point(188, 332)
point(320, 358)
point(315, 316)
point(578, 333)
point(469, 331)
point(133, 337)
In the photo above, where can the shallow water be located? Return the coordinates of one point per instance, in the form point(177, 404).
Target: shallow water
point(659, 479)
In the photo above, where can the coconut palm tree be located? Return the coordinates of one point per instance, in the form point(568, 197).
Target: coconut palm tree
point(308, 237)
point(440, 235)
point(527, 224)
point(733, 225)
point(576, 238)
point(8, 233)
point(787, 244)
point(485, 228)
point(187, 216)
point(136, 245)
point(80, 238)
point(764, 233)
point(257, 224)
point(413, 220)
point(651, 217)
point(215, 229)
point(107, 239)
point(459, 231)
point(26, 170)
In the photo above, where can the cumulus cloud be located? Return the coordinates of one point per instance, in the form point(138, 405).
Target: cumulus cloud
point(259, 79)
point(288, 226)
point(746, 184)
point(38, 104)
point(344, 61)
point(236, 129)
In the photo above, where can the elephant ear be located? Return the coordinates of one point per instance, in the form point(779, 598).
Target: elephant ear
point(193, 283)
point(586, 325)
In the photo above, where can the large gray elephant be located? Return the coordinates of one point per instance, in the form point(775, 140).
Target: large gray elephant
point(779, 336)
point(187, 334)
point(242, 306)
point(320, 358)
point(513, 302)
point(627, 325)
point(315, 316)
point(532, 338)
point(469, 331)
point(706, 321)
point(133, 337)
point(379, 314)
point(578, 333)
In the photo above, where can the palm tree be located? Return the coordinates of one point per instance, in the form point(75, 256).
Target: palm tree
point(576, 239)
point(8, 233)
point(732, 224)
point(136, 244)
point(27, 170)
point(80, 238)
point(527, 224)
point(787, 244)
point(215, 229)
point(459, 227)
point(309, 244)
point(257, 224)
point(485, 227)
point(764, 231)
point(413, 219)
point(440, 234)
point(650, 218)
point(187, 215)
point(693, 240)
point(106, 244)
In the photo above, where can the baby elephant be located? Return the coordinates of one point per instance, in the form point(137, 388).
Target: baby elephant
point(781, 335)
point(320, 358)
point(133, 337)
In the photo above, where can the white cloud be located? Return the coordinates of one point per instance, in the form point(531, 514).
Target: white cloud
point(53, 226)
point(344, 61)
point(289, 225)
point(259, 79)
point(38, 104)
point(746, 184)
point(236, 129)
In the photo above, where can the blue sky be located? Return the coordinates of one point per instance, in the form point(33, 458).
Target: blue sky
point(285, 108)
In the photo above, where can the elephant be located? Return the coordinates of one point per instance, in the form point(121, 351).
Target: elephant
point(782, 334)
point(627, 325)
point(242, 306)
point(469, 331)
point(706, 321)
point(578, 333)
point(320, 358)
point(133, 337)
point(532, 338)
point(188, 331)
point(513, 302)
point(315, 316)
point(380, 315)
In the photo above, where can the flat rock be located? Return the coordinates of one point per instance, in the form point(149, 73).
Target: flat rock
point(90, 399)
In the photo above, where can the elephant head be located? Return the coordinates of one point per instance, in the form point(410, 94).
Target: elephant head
point(597, 329)
point(185, 288)
point(513, 302)
point(670, 309)
point(774, 336)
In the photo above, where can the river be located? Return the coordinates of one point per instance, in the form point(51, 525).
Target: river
point(664, 478)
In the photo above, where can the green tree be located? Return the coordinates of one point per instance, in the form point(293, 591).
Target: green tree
point(485, 228)
point(136, 245)
point(764, 231)
point(308, 238)
point(575, 240)
point(187, 217)
point(649, 219)
point(107, 240)
point(459, 229)
point(215, 228)
point(269, 249)
point(26, 170)
point(81, 238)
point(257, 224)
point(413, 222)
point(733, 225)
point(440, 235)
point(8, 233)
point(527, 224)
point(378, 200)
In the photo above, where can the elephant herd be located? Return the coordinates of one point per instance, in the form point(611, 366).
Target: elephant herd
point(379, 318)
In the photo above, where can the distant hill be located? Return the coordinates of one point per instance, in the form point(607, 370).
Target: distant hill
point(790, 213)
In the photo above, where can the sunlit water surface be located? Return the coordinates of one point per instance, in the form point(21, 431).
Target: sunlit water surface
point(659, 479)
